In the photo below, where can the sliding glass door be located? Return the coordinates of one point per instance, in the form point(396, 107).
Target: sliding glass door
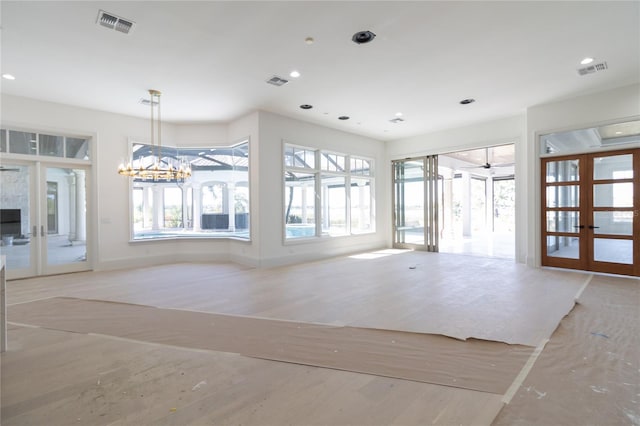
point(415, 197)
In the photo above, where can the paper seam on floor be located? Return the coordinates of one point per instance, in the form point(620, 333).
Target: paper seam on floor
point(474, 364)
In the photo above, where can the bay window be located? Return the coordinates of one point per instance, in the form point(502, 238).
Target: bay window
point(214, 202)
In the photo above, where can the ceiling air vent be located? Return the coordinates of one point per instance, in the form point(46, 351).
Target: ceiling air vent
point(114, 22)
point(396, 120)
point(148, 102)
point(277, 81)
point(593, 68)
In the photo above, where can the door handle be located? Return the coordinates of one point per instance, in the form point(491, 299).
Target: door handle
point(42, 230)
point(579, 226)
point(593, 227)
point(35, 231)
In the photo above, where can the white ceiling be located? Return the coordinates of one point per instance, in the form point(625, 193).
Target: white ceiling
point(211, 59)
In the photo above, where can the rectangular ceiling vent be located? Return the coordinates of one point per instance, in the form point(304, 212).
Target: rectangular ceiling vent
point(396, 120)
point(114, 22)
point(593, 68)
point(277, 81)
point(147, 102)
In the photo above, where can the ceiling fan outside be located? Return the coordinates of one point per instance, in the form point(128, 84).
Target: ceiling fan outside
point(487, 165)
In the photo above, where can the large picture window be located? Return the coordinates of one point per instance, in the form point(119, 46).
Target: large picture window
point(213, 202)
point(326, 193)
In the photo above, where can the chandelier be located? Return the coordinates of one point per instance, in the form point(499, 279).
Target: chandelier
point(158, 169)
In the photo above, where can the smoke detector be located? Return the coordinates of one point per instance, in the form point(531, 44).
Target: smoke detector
point(114, 22)
point(277, 81)
point(396, 120)
point(601, 66)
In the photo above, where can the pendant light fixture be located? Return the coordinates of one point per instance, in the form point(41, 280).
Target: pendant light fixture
point(159, 169)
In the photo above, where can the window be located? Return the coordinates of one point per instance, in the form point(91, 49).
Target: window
point(172, 201)
point(19, 142)
point(326, 193)
point(213, 202)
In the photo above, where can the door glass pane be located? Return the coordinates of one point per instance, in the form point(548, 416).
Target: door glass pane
point(566, 247)
point(23, 143)
point(616, 223)
point(563, 171)
point(563, 221)
point(563, 196)
point(617, 251)
point(67, 235)
point(613, 194)
point(409, 202)
point(299, 204)
point(52, 146)
point(52, 207)
point(15, 208)
point(613, 167)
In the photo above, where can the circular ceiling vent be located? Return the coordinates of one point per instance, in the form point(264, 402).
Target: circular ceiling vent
point(343, 117)
point(467, 101)
point(306, 106)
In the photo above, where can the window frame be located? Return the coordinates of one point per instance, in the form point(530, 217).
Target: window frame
point(188, 230)
point(320, 174)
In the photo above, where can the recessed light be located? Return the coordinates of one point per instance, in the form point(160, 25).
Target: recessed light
point(306, 106)
point(343, 117)
point(362, 37)
point(467, 101)
point(618, 132)
point(294, 74)
point(8, 77)
point(398, 114)
point(586, 61)
point(309, 40)
point(201, 153)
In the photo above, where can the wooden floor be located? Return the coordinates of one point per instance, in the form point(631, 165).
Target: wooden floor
point(53, 377)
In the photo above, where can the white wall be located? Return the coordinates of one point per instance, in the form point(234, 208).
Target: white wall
point(248, 127)
point(200, 134)
point(496, 132)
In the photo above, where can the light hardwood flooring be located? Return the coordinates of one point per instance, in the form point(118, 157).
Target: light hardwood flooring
point(53, 377)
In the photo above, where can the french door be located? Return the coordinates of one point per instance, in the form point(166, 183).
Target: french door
point(590, 212)
point(43, 218)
